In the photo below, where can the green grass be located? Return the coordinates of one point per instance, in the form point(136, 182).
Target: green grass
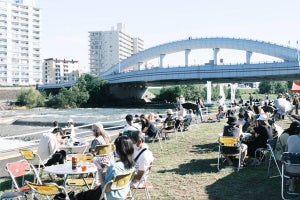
point(186, 168)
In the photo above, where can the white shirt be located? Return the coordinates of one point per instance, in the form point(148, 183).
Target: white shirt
point(48, 146)
point(134, 127)
point(145, 159)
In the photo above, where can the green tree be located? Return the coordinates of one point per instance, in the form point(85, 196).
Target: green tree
point(30, 98)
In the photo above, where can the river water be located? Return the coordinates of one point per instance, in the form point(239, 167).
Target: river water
point(16, 122)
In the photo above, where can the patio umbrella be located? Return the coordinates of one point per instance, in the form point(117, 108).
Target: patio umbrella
point(282, 105)
point(190, 105)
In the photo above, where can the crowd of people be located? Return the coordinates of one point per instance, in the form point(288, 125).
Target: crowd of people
point(255, 125)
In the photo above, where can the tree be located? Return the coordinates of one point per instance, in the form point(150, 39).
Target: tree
point(30, 98)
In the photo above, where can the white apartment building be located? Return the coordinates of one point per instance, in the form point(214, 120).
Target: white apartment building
point(20, 62)
point(57, 71)
point(108, 48)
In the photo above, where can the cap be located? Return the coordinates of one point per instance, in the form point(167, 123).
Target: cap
point(70, 120)
point(169, 112)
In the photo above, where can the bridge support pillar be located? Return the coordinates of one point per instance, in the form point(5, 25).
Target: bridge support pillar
point(187, 52)
point(161, 60)
point(208, 91)
point(139, 65)
point(216, 51)
point(131, 93)
point(248, 57)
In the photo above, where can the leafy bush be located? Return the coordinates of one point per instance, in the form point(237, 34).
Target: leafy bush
point(30, 98)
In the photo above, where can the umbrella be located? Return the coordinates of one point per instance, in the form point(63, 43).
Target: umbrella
point(282, 105)
point(190, 105)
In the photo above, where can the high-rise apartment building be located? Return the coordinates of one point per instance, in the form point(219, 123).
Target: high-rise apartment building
point(57, 71)
point(107, 48)
point(20, 62)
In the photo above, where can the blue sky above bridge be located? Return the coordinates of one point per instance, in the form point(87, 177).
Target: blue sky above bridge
point(65, 24)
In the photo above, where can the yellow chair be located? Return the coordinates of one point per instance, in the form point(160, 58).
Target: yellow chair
point(229, 146)
point(34, 159)
point(48, 189)
point(119, 182)
point(105, 149)
point(80, 158)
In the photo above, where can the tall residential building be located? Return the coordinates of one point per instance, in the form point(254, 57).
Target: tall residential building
point(107, 48)
point(20, 62)
point(57, 71)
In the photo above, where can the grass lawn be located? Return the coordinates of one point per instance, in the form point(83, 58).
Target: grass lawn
point(186, 168)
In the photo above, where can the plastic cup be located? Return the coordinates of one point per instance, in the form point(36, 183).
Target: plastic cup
point(83, 168)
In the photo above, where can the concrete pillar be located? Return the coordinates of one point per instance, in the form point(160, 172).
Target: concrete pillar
point(139, 65)
point(248, 57)
point(161, 60)
point(216, 51)
point(208, 91)
point(187, 52)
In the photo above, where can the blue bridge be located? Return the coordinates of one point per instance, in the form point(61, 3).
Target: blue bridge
point(130, 71)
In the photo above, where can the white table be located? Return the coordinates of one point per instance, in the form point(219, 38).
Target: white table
point(66, 169)
point(71, 148)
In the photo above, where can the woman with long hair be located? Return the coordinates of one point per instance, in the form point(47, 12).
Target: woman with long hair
point(101, 137)
point(124, 150)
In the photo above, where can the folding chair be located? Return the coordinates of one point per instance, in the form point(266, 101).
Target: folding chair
point(143, 184)
point(105, 149)
point(48, 189)
point(289, 160)
point(34, 159)
point(229, 146)
point(171, 129)
point(271, 144)
point(158, 137)
point(19, 169)
point(119, 182)
point(88, 158)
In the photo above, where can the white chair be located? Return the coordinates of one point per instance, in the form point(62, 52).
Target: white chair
point(143, 184)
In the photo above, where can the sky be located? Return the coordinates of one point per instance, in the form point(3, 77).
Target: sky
point(65, 23)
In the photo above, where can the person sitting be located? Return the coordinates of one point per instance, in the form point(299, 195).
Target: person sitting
point(143, 157)
point(48, 149)
point(168, 119)
point(148, 127)
point(124, 150)
point(101, 138)
point(69, 130)
point(260, 134)
point(293, 146)
point(130, 126)
point(282, 140)
point(232, 130)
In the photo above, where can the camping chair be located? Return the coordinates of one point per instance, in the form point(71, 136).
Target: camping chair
point(289, 160)
point(143, 184)
point(229, 146)
point(34, 159)
point(105, 152)
point(19, 169)
point(48, 189)
point(171, 129)
point(119, 182)
point(88, 158)
point(271, 144)
point(158, 137)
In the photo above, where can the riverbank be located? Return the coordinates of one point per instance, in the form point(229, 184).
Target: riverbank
point(186, 168)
